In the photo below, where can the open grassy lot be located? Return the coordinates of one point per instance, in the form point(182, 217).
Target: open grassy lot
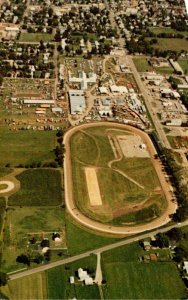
point(26, 147)
point(29, 287)
point(119, 193)
point(171, 44)
point(158, 30)
point(139, 280)
point(23, 221)
point(76, 235)
point(183, 62)
point(142, 65)
point(35, 37)
point(60, 288)
point(38, 187)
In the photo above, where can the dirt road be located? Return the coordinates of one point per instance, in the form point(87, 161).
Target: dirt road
point(119, 230)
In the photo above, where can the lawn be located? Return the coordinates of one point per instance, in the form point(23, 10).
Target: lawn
point(39, 187)
point(139, 280)
point(91, 147)
point(35, 37)
point(76, 235)
point(26, 147)
point(29, 287)
point(60, 288)
point(171, 44)
point(22, 221)
point(183, 62)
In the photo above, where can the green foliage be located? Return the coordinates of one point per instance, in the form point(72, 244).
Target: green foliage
point(3, 278)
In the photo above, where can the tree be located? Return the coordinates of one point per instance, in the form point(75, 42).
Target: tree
point(175, 234)
point(162, 240)
point(3, 278)
point(23, 259)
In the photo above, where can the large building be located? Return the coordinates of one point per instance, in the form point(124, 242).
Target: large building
point(83, 80)
point(77, 101)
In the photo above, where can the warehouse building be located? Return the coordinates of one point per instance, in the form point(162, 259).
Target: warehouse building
point(77, 101)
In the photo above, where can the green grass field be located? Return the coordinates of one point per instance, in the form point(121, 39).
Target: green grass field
point(60, 288)
point(29, 287)
point(2, 209)
point(183, 62)
point(91, 147)
point(158, 30)
point(35, 37)
point(76, 235)
point(171, 44)
point(38, 187)
point(139, 280)
point(23, 221)
point(136, 280)
point(26, 147)
point(142, 65)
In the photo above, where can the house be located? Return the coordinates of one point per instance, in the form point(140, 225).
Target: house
point(103, 90)
point(83, 276)
point(185, 266)
point(146, 245)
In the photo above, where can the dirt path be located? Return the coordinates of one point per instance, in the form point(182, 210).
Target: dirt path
point(119, 230)
point(98, 275)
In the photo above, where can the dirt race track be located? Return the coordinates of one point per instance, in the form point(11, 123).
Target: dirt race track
point(9, 186)
point(97, 226)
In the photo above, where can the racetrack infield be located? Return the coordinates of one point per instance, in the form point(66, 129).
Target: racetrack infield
point(131, 200)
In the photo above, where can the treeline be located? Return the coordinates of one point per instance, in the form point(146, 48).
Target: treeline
point(181, 191)
point(141, 45)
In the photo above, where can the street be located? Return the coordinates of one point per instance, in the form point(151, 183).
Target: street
point(94, 252)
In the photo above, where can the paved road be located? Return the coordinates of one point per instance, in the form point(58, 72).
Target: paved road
point(95, 251)
point(148, 100)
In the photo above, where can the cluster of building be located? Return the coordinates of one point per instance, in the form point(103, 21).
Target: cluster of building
point(83, 276)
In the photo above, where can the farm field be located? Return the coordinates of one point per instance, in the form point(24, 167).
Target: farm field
point(26, 147)
point(22, 223)
point(91, 148)
point(39, 187)
point(136, 280)
point(29, 287)
point(60, 288)
point(140, 280)
point(35, 37)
